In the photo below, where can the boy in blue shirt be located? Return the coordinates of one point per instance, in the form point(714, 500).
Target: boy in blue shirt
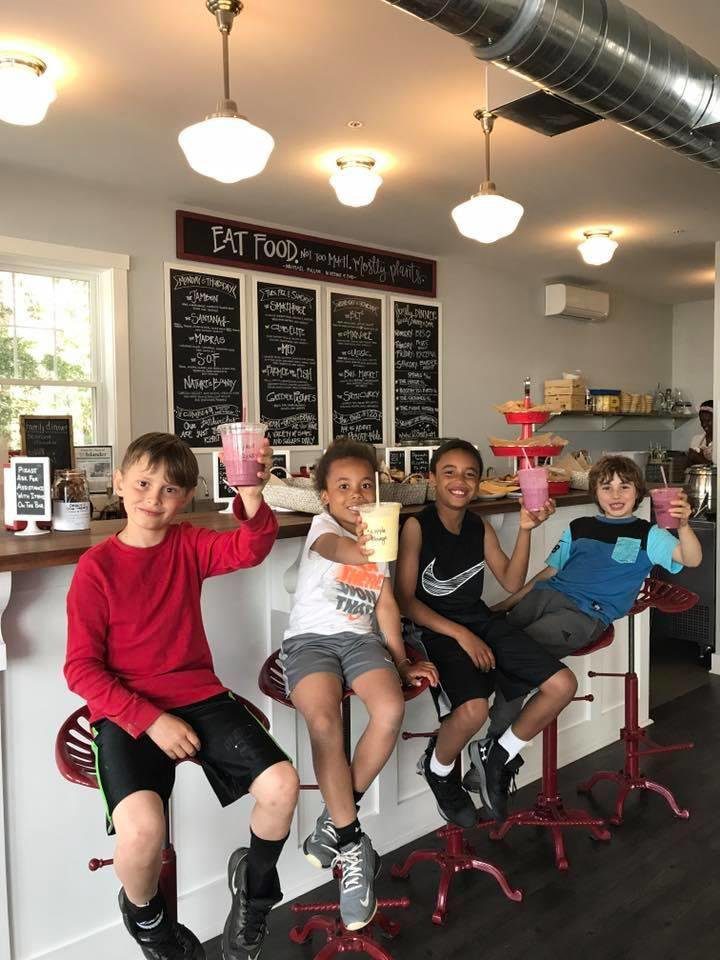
point(592, 578)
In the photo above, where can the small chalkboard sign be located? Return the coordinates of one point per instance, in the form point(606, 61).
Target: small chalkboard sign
point(281, 463)
point(49, 436)
point(31, 488)
point(420, 458)
point(396, 458)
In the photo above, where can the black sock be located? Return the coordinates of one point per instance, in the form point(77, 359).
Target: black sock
point(357, 797)
point(149, 917)
point(349, 834)
point(263, 880)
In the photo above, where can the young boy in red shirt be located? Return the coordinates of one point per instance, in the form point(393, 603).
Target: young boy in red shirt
point(138, 654)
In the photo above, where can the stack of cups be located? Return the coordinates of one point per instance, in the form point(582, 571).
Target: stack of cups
point(242, 449)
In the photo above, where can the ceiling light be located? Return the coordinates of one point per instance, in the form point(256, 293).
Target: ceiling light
point(225, 145)
point(487, 216)
point(355, 181)
point(598, 247)
point(25, 90)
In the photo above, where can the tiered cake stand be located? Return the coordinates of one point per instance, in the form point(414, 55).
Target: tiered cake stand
point(528, 456)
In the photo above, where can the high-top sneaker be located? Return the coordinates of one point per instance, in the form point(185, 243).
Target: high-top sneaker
point(246, 925)
point(454, 803)
point(162, 939)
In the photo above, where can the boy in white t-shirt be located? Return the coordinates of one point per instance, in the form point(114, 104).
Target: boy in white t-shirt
point(331, 643)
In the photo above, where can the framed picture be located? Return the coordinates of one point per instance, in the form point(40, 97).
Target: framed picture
point(281, 463)
point(97, 462)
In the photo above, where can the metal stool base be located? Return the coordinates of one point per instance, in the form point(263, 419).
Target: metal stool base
point(338, 939)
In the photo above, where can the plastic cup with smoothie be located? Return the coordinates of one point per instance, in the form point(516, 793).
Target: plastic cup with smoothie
point(382, 521)
point(662, 499)
point(242, 446)
point(534, 487)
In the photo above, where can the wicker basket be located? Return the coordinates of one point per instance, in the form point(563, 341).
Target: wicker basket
point(405, 493)
point(579, 480)
point(294, 493)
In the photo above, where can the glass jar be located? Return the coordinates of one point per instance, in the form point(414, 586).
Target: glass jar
point(71, 500)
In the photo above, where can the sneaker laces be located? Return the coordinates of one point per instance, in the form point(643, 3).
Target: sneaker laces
point(351, 863)
point(509, 773)
point(250, 923)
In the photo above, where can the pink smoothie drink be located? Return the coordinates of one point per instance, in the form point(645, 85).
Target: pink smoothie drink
point(662, 501)
point(534, 486)
point(242, 444)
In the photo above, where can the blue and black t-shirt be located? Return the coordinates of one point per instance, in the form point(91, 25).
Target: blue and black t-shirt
point(603, 561)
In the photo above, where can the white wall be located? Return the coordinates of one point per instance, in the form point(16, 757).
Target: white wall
point(692, 359)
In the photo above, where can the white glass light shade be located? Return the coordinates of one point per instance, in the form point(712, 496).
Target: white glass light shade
point(25, 94)
point(227, 149)
point(356, 184)
point(597, 248)
point(487, 217)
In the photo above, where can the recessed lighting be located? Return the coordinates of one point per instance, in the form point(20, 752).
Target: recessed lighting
point(355, 124)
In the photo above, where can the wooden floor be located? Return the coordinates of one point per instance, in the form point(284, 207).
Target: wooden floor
point(652, 892)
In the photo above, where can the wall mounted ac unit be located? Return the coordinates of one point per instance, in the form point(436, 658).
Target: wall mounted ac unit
point(579, 303)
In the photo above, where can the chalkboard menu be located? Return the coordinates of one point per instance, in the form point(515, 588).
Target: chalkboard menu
point(420, 458)
point(31, 487)
point(232, 243)
point(49, 436)
point(416, 359)
point(356, 362)
point(205, 380)
point(287, 337)
point(396, 459)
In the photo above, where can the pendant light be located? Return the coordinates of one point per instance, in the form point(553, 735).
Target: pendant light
point(355, 181)
point(598, 247)
point(225, 145)
point(25, 90)
point(487, 216)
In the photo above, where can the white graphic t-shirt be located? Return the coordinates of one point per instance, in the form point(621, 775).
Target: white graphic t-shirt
point(333, 597)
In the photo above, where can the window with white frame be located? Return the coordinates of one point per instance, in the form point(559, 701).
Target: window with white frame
point(64, 340)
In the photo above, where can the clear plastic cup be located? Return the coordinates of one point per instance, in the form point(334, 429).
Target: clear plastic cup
point(534, 487)
point(662, 499)
point(242, 445)
point(383, 522)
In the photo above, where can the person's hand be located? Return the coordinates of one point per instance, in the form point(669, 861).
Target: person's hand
point(265, 461)
point(680, 508)
point(478, 651)
point(174, 737)
point(412, 674)
point(364, 552)
point(529, 519)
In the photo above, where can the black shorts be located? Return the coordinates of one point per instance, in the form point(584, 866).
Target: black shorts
point(521, 664)
point(234, 749)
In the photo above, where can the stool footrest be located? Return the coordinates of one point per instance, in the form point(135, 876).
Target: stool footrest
point(656, 748)
point(399, 903)
point(597, 673)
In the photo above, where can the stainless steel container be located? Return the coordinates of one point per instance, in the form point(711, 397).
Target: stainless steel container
point(701, 487)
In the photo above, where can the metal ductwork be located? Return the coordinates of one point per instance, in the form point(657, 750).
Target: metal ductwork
point(597, 54)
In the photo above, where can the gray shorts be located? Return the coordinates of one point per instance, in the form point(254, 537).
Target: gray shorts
point(346, 655)
point(555, 621)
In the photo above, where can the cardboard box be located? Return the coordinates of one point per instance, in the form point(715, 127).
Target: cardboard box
point(565, 395)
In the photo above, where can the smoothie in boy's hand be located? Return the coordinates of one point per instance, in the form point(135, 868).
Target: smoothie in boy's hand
point(534, 486)
point(242, 446)
point(382, 522)
point(662, 499)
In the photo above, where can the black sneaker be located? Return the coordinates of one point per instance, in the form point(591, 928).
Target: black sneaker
point(246, 925)
point(499, 779)
point(166, 941)
point(453, 802)
point(474, 779)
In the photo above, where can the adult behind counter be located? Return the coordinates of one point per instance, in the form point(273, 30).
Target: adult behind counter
point(701, 445)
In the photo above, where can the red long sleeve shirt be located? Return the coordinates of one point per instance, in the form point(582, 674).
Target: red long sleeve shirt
point(136, 641)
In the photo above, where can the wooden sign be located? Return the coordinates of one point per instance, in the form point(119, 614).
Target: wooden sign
point(416, 353)
point(271, 250)
point(287, 340)
point(31, 488)
point(49, 436)
point(356, 360)
point(205, 382)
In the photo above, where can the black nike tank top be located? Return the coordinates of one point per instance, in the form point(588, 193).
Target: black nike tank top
point(451, 573)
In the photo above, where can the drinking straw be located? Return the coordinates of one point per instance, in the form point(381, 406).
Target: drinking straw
point(244, 413)
point(663, 475)
point(377, 489)
point(527, 458)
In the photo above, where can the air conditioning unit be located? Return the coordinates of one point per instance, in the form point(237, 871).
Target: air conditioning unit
point(578, 303)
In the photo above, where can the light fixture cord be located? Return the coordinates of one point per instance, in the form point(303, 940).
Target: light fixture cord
point(487, 154)
point(226, 65)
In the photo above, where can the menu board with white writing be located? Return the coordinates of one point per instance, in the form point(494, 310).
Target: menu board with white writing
point(205, 356)
point(417, 343)
point(30, 486)
point(356, 349)
point(286, 317)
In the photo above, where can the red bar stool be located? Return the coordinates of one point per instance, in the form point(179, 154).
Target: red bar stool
point(338, 939)
point(75, 760)
point(549, 810)
point(669, 598)
point(456, 857)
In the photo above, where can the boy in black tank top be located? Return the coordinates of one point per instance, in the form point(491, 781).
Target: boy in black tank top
point(438, 583)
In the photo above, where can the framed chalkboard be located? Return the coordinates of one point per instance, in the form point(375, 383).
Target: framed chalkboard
point(49, 436)
point(281, 463)
point(356, 334)
point(416, 369)
point(205, 352)
point(420, 458)
point(287, 352)
point(396, 458)
point(30, 487)
point(231, 243)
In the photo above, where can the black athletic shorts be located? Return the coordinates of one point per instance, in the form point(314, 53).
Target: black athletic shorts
point(521, 664)
point(235, 748)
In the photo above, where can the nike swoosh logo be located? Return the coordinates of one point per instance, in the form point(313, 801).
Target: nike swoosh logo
point(442, 588)
point(365, 902)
